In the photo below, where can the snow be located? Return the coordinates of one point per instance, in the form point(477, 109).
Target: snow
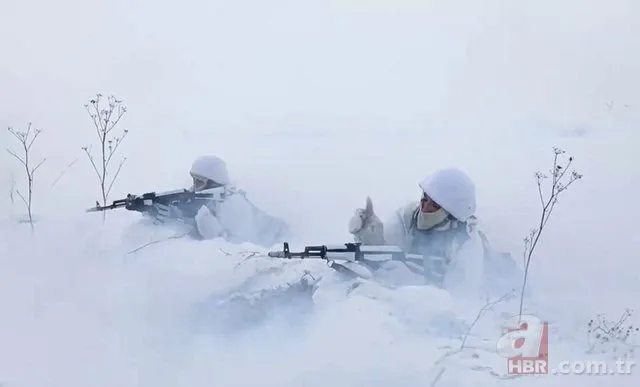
point(314, 107)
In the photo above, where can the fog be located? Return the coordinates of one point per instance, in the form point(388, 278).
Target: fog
point(364, 98)
point(316, 105)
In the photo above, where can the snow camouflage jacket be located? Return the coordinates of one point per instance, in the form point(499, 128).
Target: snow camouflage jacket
point(237, 220)
point(440, 243)
point(453, 252)
point(460, 255)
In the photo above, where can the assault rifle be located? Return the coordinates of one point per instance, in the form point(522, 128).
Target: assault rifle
point(186, 200)
point(370, 257)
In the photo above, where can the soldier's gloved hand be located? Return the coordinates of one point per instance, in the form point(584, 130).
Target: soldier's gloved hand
point(164, 212)
point(134, 203)
point(137, 203)
point(207, 225)
point(366, 226)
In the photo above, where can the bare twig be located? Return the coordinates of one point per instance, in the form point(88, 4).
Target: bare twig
point(437, 377)
point(64, 171)
point(247, 255)
point(115, 176)
point(22, 197)
point(558, 186)
point(176, 236)
point(105, 120)
point(489, 304)
point(485, 308)
point(26, 139)
point(617, 334)
point(610, 105)
point(12, 189)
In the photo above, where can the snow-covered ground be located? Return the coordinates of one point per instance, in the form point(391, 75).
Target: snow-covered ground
point(314, 107)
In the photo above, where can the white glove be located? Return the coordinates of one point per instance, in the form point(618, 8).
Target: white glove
point(207, 225)
point(366, 226)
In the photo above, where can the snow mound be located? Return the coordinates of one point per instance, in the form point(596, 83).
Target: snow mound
point(87, 304)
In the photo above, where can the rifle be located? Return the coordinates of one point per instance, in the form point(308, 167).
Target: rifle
point(370, 256)
point(186, 200)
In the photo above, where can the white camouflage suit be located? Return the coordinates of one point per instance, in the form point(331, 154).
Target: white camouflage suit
point(444, 234)
point(230, 215)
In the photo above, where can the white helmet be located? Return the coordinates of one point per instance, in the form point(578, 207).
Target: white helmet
point(453, 190)
point(210, 168)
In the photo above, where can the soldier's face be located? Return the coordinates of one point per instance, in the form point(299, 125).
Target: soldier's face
point(428, 205)
point(199, 182)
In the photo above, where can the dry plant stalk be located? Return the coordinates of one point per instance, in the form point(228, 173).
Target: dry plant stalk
point(616, 334)
point(12, 190)
point(105, 120)
point(26, 139)
point(488, 306)
point(560, 182)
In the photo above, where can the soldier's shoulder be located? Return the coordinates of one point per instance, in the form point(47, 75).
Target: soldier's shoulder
point(407, 211)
